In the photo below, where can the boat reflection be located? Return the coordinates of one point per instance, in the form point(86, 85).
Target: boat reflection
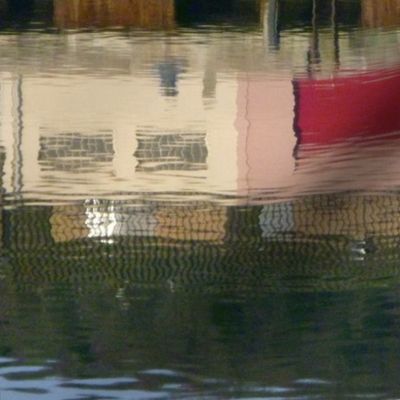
point(342, 108)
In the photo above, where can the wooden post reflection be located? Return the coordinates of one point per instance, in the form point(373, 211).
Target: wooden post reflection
point(335, 32)
point(314, 57)
point(153, 14)
point(314, 53)
point(270, 17)
point(380, 13)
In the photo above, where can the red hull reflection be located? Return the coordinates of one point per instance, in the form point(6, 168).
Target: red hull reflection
point(333, 110)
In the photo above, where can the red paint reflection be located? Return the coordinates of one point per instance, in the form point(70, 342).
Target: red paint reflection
point(333, 110)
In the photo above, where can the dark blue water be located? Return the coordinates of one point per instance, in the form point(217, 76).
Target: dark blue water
point(199, 200)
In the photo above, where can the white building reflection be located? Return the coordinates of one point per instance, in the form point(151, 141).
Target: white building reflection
point(112, 116)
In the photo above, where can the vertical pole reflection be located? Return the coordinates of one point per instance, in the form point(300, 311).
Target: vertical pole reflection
point(313, 53)
point(17, 133)
point(269, 16)
point(335, 34)
point(271, 21)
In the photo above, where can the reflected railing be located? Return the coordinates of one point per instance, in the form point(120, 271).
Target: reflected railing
point(314, 243)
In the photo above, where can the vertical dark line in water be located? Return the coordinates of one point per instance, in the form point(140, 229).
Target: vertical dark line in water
point(18, 158)
point(313, 53)
point(335, 34)
point(2, 189)
point(7, 230)
point(273, 24)
point(296, 126)
point(247, 133)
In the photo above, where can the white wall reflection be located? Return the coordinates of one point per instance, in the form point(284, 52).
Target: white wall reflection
point(185, 114)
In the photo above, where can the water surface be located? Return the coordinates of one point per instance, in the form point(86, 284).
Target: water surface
point(199, 199)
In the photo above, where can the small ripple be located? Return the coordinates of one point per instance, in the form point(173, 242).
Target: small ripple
point(312, 382)
point(6, 360)
point(102, 381)
point(270, 389)
point(59, 388)
point(21, 370)
point(162, 372)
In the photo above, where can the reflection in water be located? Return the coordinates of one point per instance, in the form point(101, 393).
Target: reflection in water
point(75, 152)
point(369, 166)
point(70, 223)
point(169, 72)
point(107, 220)
point(174, 151)
point(204, 207)
point(257, 325)
point(342, 108)
point(229, 92)
point(280, 289)
point(264, 122)
point(382, 13)
point(151, 14)
point(230, 248)
point(103, 13)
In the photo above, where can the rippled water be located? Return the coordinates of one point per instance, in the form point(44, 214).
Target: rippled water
point(200, 199)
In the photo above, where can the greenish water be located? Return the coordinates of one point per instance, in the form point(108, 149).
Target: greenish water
point(199, 200)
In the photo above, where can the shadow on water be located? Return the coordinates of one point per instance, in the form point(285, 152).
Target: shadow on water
point(25, 14)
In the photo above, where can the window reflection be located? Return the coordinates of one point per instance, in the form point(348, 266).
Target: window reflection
point(75, 152)
point(169, 71)
point(173, 152)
